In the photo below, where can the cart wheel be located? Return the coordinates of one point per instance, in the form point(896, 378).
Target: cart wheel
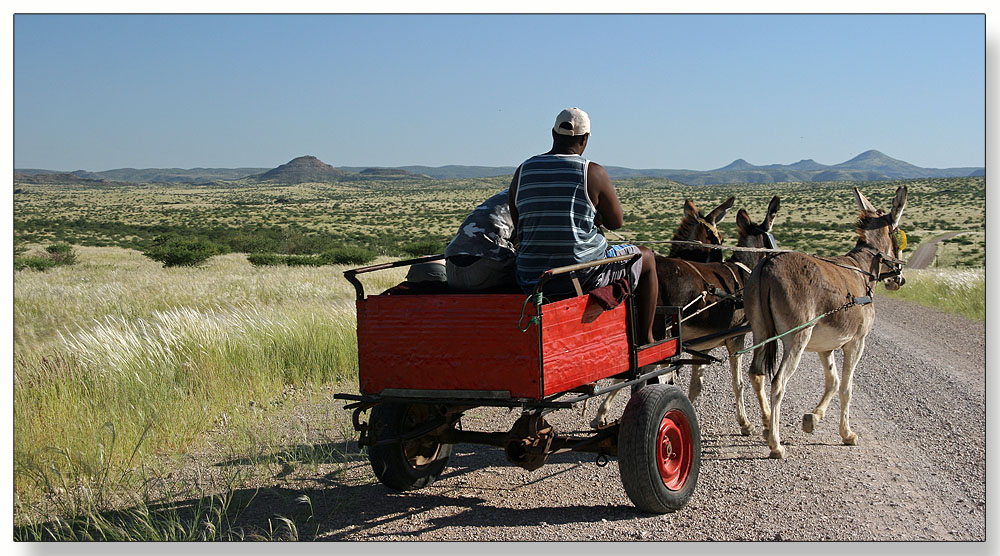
point(659, 449)
point(409, 464)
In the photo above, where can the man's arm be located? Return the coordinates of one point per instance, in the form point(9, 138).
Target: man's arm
point(602, 193)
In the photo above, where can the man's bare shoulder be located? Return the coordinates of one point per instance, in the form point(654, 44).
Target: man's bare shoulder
point(597, 172)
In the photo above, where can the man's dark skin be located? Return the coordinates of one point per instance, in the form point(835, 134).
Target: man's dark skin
point(609, 214)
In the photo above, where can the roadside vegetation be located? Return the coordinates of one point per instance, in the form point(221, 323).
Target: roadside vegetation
point(120, 361)
point(125, 364)
point(56, 254)
point(953, 290)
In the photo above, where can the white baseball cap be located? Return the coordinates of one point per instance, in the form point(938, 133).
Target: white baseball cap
point(572, 121)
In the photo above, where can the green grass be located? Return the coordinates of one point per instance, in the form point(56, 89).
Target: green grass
point(958, 291)
point(119, 361)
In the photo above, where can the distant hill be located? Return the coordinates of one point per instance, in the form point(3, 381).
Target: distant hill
point(449, 172)
point(150, 175)
point(61, 178)
point(304, 169)
point(390, 173)
point(867, 166)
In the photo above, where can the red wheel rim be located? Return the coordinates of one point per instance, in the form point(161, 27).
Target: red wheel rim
point(673, 449)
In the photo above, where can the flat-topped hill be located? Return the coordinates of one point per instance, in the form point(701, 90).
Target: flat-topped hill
point(304, 169)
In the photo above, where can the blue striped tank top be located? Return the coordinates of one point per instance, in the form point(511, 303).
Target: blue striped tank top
point(555, 217)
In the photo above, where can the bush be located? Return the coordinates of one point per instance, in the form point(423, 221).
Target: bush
point(428, 246)
point(340, 255)
point(35, 263)
point(263, 259)
point(56, 254)
point(176, 251)
point(348, 255)
point(61, 253)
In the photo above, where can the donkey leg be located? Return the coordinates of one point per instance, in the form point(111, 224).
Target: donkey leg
point(809, 420)
point(601, 418)
point(758, 382)
point(694, 386)
point(852, 354)
point(735, 366)
point(793, 348)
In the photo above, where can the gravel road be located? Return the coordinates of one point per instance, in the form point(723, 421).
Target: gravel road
point(918, 473)
point(923, 256)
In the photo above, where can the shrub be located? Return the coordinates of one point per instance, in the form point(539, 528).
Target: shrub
point(56, 254)
point(340, 255)
point(428, 246)
point(176, 251)
point(263, 259)
point(348, 255)
point(61, 253)
point(35, 263)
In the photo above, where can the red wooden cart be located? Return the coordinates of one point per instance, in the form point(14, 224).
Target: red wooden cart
point(424, 360)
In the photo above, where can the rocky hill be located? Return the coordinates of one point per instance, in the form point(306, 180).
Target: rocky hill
point(304, 169)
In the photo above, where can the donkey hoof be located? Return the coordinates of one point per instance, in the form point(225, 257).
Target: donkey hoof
point(809, 422)
point(851, 439)
point(777, 453)
point(598, 423)
point(746, 430)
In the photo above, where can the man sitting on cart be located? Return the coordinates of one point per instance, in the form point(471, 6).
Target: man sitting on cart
point(558, 200)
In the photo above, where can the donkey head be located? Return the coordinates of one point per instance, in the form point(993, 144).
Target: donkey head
point(881, 232)
point(700, 228)
point(755, 235)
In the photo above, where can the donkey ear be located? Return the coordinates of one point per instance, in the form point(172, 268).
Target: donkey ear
point(690, 211)
point(719, 213)
point(743, 221)
point(863, 203)
point(897, 206)
point(772, 209)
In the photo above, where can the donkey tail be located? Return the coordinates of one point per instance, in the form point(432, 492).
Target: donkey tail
point(765, 357)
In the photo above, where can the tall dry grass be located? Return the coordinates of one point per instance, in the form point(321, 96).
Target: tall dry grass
point(118, 359)
point(953, 290)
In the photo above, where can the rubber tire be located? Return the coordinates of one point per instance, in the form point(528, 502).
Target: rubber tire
point(638, 443)
point(390, 462)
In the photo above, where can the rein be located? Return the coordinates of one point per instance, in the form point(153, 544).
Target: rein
point(708, 245)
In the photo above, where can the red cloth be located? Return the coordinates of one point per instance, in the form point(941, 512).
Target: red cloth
point(612, 295)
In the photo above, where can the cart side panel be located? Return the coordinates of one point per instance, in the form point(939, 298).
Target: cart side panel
point(658, 352)
point(447, 342)
point(581, 343)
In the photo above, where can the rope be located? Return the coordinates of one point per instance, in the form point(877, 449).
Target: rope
point(709, 306)
point(854, 301)
point(537, 299)
point(711, 246)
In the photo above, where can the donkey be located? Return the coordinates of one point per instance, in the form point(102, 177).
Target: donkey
point(720, 286)
point(787, 290)
point(683, 281)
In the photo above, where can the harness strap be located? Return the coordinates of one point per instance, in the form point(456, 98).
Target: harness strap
point(743, 266)
point(695, 269)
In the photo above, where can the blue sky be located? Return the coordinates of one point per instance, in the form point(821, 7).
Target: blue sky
point(97, 92)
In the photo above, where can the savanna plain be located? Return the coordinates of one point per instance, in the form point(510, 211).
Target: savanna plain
point(194, 402)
